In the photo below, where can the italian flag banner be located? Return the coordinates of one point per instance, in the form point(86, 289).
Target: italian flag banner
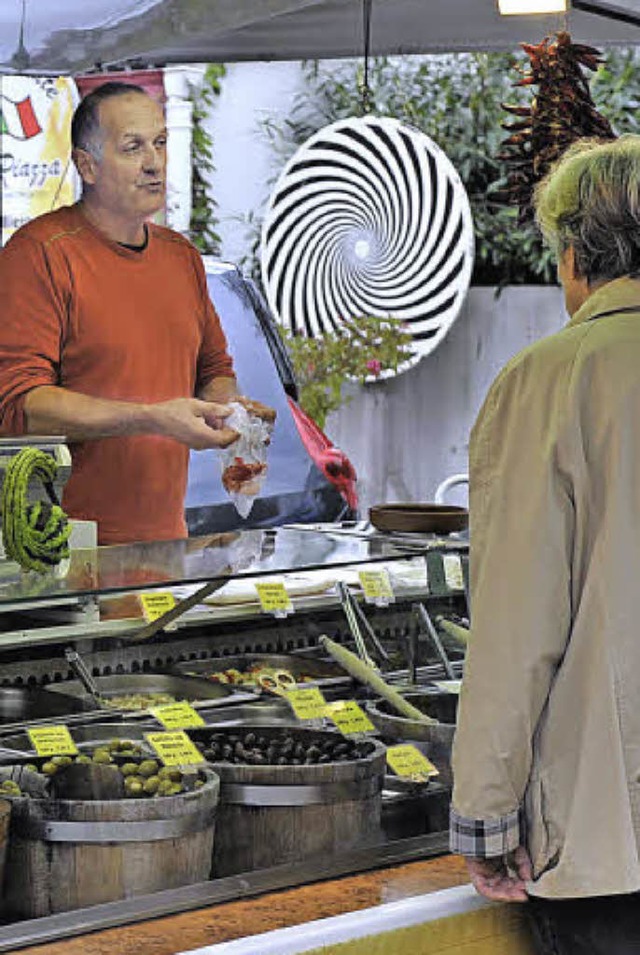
point(18, 119)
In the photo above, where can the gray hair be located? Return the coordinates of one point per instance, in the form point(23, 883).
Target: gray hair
point(85, 125)
point(590, 200)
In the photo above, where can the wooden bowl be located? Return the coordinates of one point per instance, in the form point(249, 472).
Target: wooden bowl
point(419, 518)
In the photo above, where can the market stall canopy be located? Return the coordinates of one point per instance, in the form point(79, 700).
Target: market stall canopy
point(67, 36)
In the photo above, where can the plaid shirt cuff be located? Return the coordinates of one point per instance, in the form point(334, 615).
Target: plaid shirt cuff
point(484, 838)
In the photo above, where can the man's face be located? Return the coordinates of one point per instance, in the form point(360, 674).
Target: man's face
point(128, 175)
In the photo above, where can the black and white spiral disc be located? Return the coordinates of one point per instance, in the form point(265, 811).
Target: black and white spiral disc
point(368, 218)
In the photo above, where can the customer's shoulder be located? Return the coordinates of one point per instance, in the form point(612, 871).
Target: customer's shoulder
point(50, 227)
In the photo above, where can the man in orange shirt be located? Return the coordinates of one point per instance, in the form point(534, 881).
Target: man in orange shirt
point(108, 335)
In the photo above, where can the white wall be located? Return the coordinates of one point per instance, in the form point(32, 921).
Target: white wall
point(406, 435)
point(251, 93)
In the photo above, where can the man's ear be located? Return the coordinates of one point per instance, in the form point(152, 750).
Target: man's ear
point(86, 165)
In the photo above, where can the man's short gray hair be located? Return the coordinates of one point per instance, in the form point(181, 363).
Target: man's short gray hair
point(85, 125)
point(590, 200)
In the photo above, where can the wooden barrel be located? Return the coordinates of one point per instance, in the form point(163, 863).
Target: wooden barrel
point(66, 854)
point(270, 815)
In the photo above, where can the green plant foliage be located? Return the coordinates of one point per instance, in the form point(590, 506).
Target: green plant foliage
point(456, 100)
point(362, 351)
point(203, 224)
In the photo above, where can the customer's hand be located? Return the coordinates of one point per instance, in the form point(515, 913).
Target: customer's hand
point(198, 424)
point(502, 879)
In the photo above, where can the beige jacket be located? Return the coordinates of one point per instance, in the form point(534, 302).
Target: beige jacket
point(550, 709)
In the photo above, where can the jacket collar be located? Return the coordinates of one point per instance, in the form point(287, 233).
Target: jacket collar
point(619, 293)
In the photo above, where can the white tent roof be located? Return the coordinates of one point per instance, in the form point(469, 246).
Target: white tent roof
point(62, 36)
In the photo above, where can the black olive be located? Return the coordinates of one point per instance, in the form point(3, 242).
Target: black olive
point(250, 740)
point(270, 754)
point(227, 751)
point(263, 742)
point(325, 758)
point(299, 750)
point(314, 751)
point(282, 761)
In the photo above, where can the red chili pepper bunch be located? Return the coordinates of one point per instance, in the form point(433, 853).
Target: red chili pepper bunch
point(561, 112)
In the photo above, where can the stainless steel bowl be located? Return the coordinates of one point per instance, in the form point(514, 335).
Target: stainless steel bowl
point(22, 704)
point(192, 689)
point(93, 734)
point(321, 672)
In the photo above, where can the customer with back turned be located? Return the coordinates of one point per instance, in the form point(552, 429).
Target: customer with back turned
point(546, 802)
point(108, 335)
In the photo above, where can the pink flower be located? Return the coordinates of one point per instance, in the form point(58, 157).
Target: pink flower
point(374, 366)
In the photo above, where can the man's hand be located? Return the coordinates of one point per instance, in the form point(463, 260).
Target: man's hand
point(198, 424)
point(503, 878)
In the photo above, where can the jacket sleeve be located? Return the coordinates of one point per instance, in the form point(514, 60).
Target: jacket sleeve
point(521, 517)
point(34, 316)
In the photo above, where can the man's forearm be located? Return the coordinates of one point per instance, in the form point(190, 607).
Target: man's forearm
point(219, 389)
point(52, 410)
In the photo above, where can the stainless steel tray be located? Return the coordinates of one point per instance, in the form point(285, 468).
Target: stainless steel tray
point(271, 712)
point(182, 687)
point(86, 736)
point(322, 672)
point(24, 704)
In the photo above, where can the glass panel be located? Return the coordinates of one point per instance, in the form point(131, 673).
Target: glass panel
point(217, 557)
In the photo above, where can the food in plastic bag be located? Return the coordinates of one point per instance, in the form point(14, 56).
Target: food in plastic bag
point(244, 463)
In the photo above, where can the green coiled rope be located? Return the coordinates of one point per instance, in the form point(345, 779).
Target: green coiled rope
point(35, 535)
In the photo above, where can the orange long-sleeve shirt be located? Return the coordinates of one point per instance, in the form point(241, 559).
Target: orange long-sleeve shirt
point(85, 313)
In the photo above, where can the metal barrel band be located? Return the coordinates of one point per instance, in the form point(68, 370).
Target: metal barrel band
point(151, 830)
point(248, 794)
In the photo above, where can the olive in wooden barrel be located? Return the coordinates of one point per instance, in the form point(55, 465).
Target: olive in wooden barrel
point(66, 854)
point(273, 814)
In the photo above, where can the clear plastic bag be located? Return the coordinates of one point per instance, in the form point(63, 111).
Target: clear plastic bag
point(244, 463)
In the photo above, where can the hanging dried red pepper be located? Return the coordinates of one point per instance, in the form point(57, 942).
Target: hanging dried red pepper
point(561, 112)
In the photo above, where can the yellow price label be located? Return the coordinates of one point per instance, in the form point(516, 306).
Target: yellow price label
point(376, 585)
point(349, 717)
point(407, 761)
point(177, 716)
point(307, 704)
point(274, 598)
point(175, 749)
point(52, 741)
point(155, 605)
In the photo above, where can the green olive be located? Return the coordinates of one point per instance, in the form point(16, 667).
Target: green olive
point(49, 768)
point(84, 759)
point(129, 769)
point(102, 756)
point(133, 786)
point(151, 785)
point(10, 788)
point(61, 760)
point(148, 767)
point(164, 787)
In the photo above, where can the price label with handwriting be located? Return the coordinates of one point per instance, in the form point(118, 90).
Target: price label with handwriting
point(376, 587)
point(274, 599)
point(52, 741)
point(307, 704)
point(177, 716)
point(407, 761)
point(155, 605)
point(349, 717)
point(175, 749)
